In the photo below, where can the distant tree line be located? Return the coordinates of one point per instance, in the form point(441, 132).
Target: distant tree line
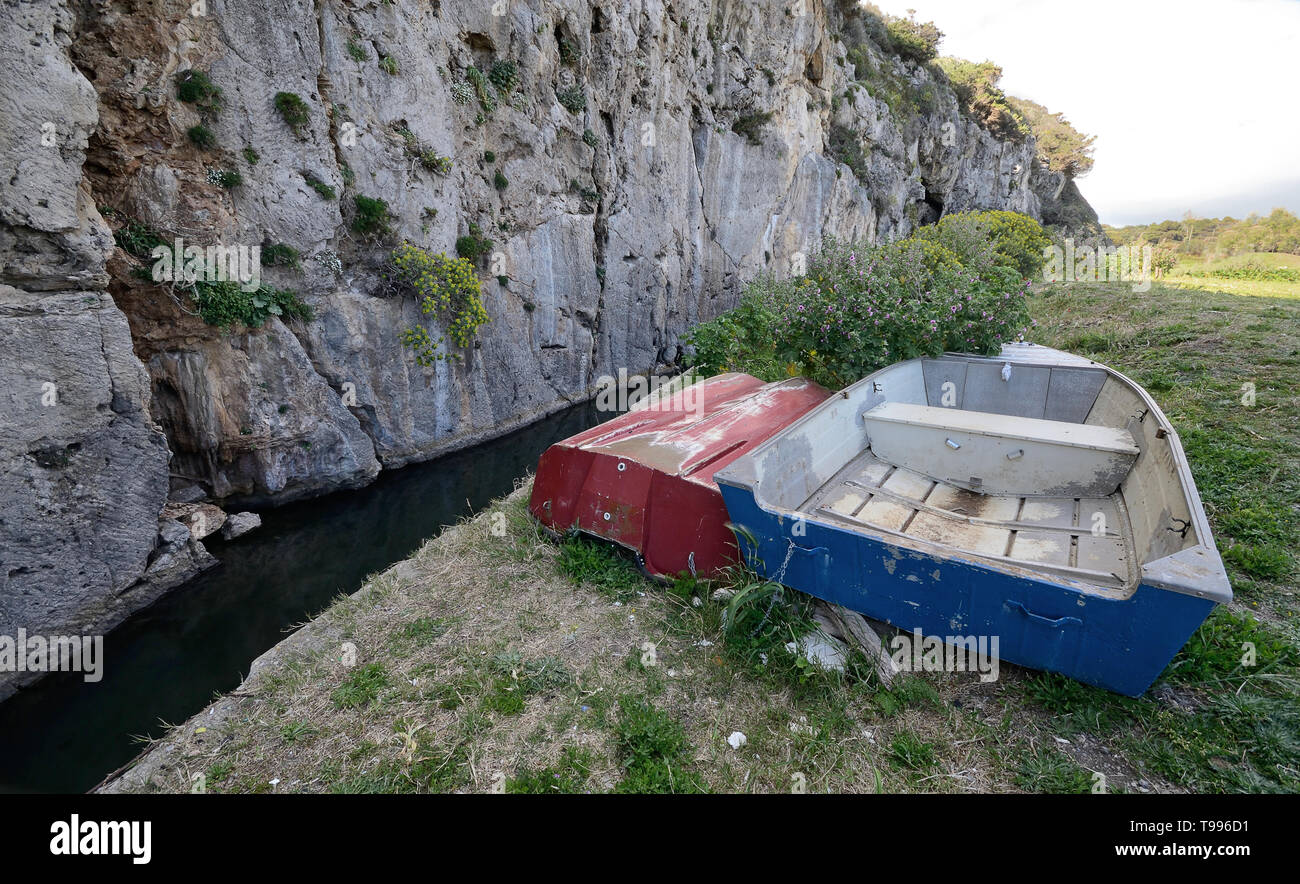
point(1278, 231)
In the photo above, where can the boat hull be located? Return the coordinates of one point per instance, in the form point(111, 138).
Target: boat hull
point(1035, 499)
point(1121, 645)
point(644, 480)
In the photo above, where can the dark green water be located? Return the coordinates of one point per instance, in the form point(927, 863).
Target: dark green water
point(167, 662)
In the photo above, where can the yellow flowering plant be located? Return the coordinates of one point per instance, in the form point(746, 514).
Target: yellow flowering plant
point(448, 289)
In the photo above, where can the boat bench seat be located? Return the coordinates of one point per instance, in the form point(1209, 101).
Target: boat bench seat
point(1001, 454)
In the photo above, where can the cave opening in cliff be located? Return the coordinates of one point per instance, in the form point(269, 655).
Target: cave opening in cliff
point(929, 209)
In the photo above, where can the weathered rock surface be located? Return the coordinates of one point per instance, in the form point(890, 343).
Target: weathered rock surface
point(239, 524)
point(621, 224)
point(83, 467)
point(203, 519)
point(701, 155)
point(84, 471)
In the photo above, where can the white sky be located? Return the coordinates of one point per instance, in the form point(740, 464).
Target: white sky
point(1194, 103)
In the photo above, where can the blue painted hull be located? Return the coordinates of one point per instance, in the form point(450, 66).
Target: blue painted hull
point(1119, 644)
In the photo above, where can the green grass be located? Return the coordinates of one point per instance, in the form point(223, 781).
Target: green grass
point(600, 565)
point(909, 750)
point(1267, 259)
point(1239, 674)
point(1200, 273)
point(298, 731)
point(569, 776)
point(436, 769)
point(652, 745)
point(1052, 771)
point(361, 688)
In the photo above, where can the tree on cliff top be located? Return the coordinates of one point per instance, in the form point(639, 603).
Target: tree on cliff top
point(976, 87)
point(913, 40)
point(1062, 147)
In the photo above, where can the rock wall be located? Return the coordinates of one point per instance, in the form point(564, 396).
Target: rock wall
point(83, 467)
point(705, 148)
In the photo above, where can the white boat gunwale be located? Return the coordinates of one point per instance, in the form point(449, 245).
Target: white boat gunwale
point(1194, 570)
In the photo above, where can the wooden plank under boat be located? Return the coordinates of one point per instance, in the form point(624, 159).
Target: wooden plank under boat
point(1036, 497)
point(644, 480)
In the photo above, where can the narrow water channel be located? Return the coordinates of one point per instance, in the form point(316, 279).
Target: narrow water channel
point(168, 662)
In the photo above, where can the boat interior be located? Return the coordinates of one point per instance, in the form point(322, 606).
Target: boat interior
point(1035, 460)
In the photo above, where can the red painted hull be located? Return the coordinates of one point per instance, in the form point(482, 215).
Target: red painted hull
point(644, 480)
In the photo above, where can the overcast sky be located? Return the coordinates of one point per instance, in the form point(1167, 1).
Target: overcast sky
point(1194, 103)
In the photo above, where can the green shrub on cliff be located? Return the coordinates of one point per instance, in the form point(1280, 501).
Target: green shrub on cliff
point(955, 286)
point(202, 137)
point(224, 304)
point(482, 88)
point(281, 255)
point(356, 51)
point(371, 217)
point(976, 86)
point(505, 76)
point(194, 87)
point(751, 125)
point(473, 245)
point(846, 148)
point(573, 98)
point(435, 162)
point(323, 190)
point(914, 40)
point(448, 289)
point(294, 111)
point(139, 239)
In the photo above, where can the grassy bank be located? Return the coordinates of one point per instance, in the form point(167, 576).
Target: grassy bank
point(497, 659)
point(1224, 275)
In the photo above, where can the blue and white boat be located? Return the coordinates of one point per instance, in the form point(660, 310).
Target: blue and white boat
point(1035, 497)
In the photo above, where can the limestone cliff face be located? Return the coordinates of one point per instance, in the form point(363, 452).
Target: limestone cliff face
point(698, 143)
point(83, 466)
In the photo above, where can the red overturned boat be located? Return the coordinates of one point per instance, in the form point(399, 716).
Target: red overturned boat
point(644, 480)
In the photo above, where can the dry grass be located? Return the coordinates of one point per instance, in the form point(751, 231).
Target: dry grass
point(455, 629)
